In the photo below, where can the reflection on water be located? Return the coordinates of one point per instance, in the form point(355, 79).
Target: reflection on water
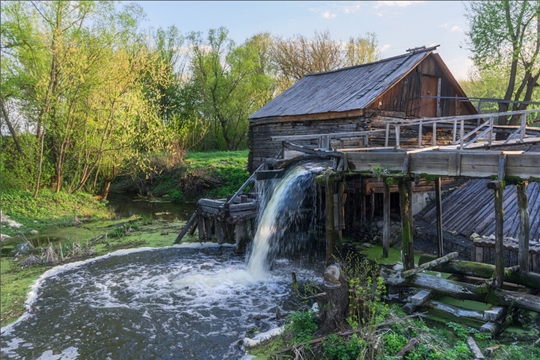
point(125, 206)
point(171, 303)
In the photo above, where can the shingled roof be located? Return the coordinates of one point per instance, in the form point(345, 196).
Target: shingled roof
point(341, 90)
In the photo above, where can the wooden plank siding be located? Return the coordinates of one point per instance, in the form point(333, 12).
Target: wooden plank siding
point(405, 95)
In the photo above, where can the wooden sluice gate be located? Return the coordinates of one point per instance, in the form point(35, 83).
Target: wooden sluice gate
point(223, 220)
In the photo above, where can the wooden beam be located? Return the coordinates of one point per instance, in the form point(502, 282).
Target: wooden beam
point(497, 187)
point(407, 250)
point(438, 206)
point(329, 191)
point(478, 269)
point(386, 219)
point(429, 265)
point(192, 220)
point(524, 227)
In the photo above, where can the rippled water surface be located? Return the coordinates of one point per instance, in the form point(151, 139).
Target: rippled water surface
point(172, 303)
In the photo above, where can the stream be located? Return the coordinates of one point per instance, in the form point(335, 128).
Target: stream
point(193, 301)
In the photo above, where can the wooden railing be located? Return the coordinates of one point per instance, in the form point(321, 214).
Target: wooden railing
point(487, 128)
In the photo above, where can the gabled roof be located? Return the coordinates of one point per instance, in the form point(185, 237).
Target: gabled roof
point(341, 90)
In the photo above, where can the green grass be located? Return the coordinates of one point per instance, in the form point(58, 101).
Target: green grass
point(49, 209)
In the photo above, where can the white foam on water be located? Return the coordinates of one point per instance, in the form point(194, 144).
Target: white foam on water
point(34, 289)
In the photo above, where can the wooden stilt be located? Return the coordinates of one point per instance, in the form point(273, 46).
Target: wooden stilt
point(329, 222)
point(407, 250)
point(208, 222)
point(201, 228)
point(241, 237)
point(220, 231)
point(363, 204)
point(386, 219)
point(187, 227)
point(438, 200)
point(499, 220)
point(524, 227)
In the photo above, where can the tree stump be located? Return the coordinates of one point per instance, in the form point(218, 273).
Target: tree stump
point(333, 308)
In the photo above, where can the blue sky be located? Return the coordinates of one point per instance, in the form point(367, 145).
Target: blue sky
point(399, 25)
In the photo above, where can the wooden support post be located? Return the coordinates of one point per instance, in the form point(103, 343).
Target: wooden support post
point(438, 201)
point(220, 231)
point(386, 219)
point(201, 229)
point(497, 186)
point(187, 227)
point(329, 221)
point(241, 235)
point(363, 204)
point(371, 207)
point(524, 227)
point(208, 224)
point(407, 250)
point(339, 209)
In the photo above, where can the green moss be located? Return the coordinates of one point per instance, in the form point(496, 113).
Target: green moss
point(466, 304)
point(267, 348)
point(429, 178)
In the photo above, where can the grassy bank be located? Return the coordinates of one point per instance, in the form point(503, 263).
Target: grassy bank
point(49, 209)
point(210, 174)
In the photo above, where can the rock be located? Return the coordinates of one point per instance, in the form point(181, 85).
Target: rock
point(22, 249)
point(380, 224)
point(34, 232)
point(4, 237)
point(5, 219)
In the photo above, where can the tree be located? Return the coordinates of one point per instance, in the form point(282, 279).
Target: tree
point(297, 56)
point(507, 33)
point(229, 84)
point(78, 67)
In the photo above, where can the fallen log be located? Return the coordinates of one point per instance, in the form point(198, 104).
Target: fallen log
point(471, 268)
point(429, 265)
point(477, 353)
point(460, 290)
point(455, 310)
point(413, 344)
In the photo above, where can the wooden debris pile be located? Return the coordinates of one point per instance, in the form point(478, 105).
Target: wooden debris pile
point(469, 281)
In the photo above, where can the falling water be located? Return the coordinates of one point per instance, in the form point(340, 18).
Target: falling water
point(281, 210)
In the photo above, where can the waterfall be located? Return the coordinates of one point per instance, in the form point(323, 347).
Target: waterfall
point(278, 213)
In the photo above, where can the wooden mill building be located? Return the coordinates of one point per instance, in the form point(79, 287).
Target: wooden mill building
point(355, 99)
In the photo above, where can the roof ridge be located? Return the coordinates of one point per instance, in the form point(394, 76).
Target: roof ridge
point(366, 64)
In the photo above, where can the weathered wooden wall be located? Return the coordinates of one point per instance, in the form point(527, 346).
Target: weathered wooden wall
point(262, 147)
point(405, 95)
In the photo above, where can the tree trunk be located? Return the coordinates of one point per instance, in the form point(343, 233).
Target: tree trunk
point(10, 127)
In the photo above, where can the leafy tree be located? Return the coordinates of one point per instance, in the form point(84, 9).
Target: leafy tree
point(228, 83)
point(506, 34)
point(77, 67)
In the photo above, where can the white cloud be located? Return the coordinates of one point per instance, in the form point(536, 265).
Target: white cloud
point(328, 15)
point(395, 3)
point(331, 10)
point(454, 28)
point(383, 48)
